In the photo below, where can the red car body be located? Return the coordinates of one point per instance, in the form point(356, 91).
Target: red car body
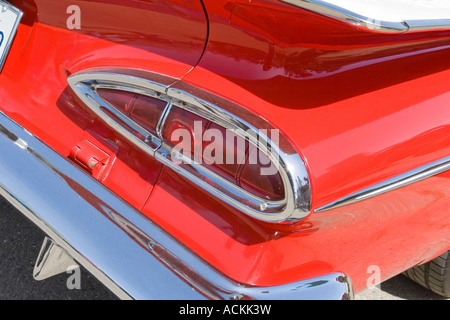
point(359, 106)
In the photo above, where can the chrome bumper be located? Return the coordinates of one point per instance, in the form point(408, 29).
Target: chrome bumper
point(129, 254)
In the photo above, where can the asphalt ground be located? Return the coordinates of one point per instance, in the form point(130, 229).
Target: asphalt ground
point(20, 243)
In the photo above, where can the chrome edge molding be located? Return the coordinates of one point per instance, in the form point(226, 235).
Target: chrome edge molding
point(297, 202)
point(340, 13)
point(402, 180)
point(131, 255)
point(424, 25)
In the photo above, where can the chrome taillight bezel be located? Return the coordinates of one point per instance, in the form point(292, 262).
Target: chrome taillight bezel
point(296, 204)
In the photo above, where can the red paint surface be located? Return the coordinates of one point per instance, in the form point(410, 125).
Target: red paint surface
point(360, 107)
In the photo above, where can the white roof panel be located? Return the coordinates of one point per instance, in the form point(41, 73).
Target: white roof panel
point(397, 10)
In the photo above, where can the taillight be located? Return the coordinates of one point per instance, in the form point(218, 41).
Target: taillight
point(122, 100)
point(184, 129)
point(223, 152)
point(145, 110)
point(229, 155)
point(267, 186)
point(233, 158)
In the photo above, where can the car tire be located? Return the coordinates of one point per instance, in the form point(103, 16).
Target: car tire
point(433, 275)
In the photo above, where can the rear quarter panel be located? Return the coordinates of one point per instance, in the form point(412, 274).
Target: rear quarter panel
point(360, 107)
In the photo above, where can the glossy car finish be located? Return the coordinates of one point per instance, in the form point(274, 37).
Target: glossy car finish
point(130, 255)
point(359, 106)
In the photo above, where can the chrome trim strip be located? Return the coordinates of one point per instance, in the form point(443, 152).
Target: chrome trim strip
point(127, 252)
point(163, 118)
point(340, 13)
point(402, 180)
point(295, 206)
point(424, 25)
point(348, 16)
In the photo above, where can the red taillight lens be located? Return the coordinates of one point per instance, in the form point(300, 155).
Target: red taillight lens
point(224, 153)
point(145, 110)
point(122, 100)
point(189, 125)
point(260, 178)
